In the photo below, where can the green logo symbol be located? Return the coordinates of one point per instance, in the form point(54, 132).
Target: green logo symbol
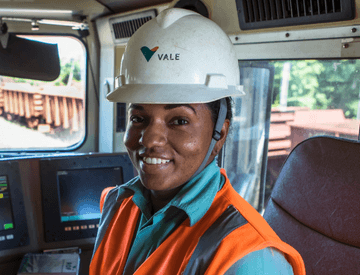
point(148, 53)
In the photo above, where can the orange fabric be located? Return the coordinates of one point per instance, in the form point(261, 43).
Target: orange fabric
point(255, 235)
point(110, 257)
point(172, 256)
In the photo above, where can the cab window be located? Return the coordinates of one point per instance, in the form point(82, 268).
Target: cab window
point(40, 115)
point(311, 98)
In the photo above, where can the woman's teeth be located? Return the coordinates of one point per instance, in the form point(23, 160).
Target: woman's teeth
point(155, 160)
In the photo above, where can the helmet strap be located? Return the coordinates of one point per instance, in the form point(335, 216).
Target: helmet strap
point(216, 135)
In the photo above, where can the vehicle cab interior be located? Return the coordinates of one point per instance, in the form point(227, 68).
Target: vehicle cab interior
point(292, 152)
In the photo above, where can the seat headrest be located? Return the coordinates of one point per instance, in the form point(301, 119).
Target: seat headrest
point(323, 173)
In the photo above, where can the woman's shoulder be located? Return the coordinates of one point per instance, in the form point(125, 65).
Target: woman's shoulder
point(254, 233)
point(265, 261)
point(228, 195)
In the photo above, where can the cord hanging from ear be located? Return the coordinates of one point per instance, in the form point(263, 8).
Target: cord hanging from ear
point(216, 135)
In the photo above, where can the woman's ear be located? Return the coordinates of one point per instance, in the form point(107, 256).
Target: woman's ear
point(223, 134)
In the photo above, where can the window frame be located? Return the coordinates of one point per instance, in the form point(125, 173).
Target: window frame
point(28, 151)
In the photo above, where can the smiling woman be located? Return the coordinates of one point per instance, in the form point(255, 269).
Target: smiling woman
point(181, 215)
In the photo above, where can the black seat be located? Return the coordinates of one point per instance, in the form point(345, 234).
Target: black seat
point(315, 204)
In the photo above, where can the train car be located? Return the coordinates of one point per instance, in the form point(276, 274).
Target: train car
point(300, 71)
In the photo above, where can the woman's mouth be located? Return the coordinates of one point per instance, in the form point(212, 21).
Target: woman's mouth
point(155, 160)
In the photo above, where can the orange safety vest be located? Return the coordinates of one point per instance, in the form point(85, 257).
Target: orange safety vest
point(187, 248)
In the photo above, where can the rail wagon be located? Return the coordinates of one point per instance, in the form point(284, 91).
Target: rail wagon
point(44, 108)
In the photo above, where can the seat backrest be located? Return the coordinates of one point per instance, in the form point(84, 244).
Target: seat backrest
point(315, 204)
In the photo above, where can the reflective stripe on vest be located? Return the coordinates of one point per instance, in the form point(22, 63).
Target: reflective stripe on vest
point(204, 252)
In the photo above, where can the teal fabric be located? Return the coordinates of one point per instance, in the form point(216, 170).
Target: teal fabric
point(192, 201)
point(268, 261)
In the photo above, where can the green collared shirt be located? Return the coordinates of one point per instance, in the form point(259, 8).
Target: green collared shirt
point(192, 201)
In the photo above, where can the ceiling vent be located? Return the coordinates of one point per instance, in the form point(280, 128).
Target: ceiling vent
point(256, 14)
point(122, 28)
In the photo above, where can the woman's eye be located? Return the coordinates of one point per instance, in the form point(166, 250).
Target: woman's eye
point(180, 121)
point(136, 119)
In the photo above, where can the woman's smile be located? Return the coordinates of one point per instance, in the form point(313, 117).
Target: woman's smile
point(149, 160)
point(153, 165)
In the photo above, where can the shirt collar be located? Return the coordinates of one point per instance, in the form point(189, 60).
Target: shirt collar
point(141, 195)
point(195, 198)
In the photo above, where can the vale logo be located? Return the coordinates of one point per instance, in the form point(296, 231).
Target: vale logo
point(148, 53)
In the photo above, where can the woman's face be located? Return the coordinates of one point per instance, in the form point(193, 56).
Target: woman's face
point(167, 143)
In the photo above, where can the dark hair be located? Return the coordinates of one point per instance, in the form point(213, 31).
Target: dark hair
point(214, 107)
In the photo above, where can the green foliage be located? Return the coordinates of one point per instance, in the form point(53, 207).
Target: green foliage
point(320, 84)
point(67, 68)
point(19, 80)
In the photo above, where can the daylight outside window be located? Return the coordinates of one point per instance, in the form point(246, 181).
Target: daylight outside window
point(40, 115)
point(311, 98)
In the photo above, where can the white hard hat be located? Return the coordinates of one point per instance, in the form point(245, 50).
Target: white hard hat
point(178, 57)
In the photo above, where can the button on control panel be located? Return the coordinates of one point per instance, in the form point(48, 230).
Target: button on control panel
point(8, 237)
point(81, 227)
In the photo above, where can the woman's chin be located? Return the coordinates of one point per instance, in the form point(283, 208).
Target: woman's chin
point(153, 183)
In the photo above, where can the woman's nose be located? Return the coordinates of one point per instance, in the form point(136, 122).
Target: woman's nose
point(155, 134)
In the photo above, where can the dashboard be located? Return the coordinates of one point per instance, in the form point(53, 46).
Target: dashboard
point(52, 202)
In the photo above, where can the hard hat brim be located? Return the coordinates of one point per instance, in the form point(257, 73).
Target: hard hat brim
point(171, 93)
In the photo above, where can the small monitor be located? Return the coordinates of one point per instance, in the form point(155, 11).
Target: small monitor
point(13, 225)
point(71, 189)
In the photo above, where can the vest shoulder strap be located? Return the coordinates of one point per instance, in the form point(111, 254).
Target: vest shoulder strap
point(209, 242)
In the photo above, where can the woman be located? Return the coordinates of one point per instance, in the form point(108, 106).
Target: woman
point(181, 215)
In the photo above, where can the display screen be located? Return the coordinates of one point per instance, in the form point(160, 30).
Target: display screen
point(80, 191)
point(6, 214)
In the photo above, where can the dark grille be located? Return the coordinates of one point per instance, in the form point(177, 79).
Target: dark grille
point(126, 29)
point(254, 14)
